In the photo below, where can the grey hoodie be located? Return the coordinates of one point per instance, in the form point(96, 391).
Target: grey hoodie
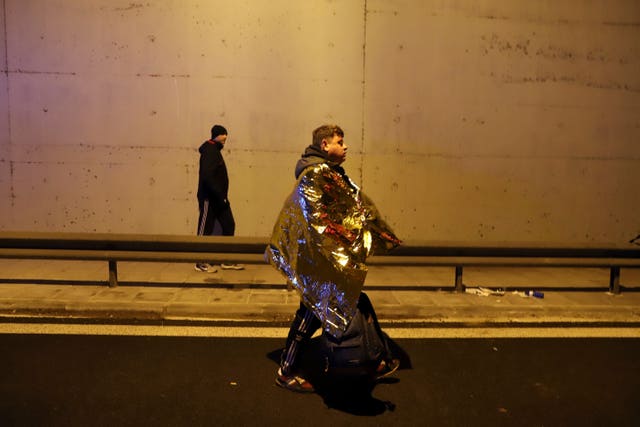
point(312, 156)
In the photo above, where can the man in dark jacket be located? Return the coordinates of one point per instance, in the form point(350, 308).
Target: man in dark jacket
point(213, 188)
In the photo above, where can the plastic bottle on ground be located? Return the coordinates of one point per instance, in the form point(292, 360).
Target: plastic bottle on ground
point(535, 294)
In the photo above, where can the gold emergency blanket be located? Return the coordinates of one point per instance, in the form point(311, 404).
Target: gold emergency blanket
point(321, 240)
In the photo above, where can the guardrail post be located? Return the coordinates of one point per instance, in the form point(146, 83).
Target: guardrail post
point(459, 286)
point(113, 273)
point(614, 280)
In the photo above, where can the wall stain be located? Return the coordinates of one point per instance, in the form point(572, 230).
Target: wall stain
point(52, 73)
point(132, 6)
point(524, 45)
point(160, 75)
point(552, 78)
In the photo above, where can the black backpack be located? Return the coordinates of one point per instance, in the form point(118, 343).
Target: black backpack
point(362, 347)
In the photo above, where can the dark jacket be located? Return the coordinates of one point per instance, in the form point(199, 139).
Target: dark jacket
point(312, 156)
point(213, 181)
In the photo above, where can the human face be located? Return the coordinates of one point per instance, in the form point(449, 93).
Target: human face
point(221, 139)
point(336, 149)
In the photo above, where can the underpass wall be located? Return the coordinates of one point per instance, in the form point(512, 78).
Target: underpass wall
point(470, 121)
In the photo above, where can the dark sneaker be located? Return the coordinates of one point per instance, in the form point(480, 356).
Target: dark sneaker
point(386, 368)
point(294, 383)
point(232, 266)
point(205, 268)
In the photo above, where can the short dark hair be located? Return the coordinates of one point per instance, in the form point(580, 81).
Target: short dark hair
point(217, 130)
point(326, 131)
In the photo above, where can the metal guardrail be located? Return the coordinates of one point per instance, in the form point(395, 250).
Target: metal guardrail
point(248, 250)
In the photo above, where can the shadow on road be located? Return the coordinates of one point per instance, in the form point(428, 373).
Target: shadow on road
point(350, 394)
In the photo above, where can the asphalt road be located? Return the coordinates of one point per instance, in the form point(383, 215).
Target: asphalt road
point(73, 380)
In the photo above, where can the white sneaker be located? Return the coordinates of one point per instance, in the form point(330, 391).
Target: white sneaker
point(205, 268)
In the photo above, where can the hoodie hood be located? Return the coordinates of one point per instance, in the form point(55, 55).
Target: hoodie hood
point(312, 156)
point(206, 145)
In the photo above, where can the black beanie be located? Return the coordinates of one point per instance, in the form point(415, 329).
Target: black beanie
point(217, 130)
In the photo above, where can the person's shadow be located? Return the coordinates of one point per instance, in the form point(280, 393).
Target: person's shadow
point(348, 393)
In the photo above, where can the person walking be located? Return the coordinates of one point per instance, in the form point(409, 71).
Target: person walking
point(213, 189)
point(320, 242)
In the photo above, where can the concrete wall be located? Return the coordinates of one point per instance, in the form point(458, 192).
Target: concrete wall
point(6, 217)
point(494, 120)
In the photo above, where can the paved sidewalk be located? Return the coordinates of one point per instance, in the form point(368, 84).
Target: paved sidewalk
point(404, 296)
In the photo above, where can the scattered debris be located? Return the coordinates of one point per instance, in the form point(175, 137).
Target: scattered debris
point(527, 294)
point(484, 292)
